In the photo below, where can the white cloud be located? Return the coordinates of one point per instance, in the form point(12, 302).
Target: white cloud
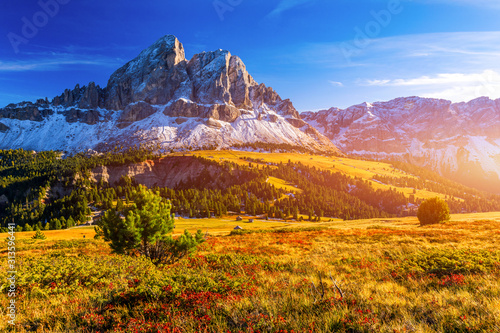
point(439, 79)
point(285, 5)
point(462, 46)
point(336, 83)
point(55, 62)
point(456, 87)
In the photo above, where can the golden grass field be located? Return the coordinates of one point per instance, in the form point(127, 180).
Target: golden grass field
point(223, 226)
point(283, 184)
point(394, 276)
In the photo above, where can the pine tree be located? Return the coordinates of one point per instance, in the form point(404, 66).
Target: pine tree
point(119, 205)
point(144, 229)
point(64, 225)
point(39, 235)
point(70, 222)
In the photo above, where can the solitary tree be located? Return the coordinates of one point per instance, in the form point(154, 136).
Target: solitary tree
point(433, 211)
point(144, 228)
point(39, 235)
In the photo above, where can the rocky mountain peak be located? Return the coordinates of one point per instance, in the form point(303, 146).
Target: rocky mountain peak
point(160, 97)
point(219, 77)
point(155, 76)
point(161, 75)
point(165, 53)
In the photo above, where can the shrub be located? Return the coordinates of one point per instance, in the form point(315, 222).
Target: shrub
point(451, 261)
point(172, 250)
point(434, 210)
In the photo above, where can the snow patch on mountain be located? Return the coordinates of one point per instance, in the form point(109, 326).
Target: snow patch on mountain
point(54, 132)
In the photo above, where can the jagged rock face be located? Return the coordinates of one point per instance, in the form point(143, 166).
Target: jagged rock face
point(459, 140)
point(161, 99)
point(184, 108)
point(166, 172)
point(298, 123)
point(261, 94)
point(224, 112)
point(218, 77)
point(217, 81)
point(26, 111)
point(89, 117)
point(87, 97)
point(156, 76)
point(92, 97)
point(135, 112)
point(161, 74)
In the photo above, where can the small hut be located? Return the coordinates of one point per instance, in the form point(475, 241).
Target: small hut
point(238, 228)
point(239, 218)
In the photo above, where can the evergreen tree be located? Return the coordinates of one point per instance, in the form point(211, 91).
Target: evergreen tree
point(145, 228)
point(70, 222)
point(64, 224)
point(119, 205)
point(39, 235)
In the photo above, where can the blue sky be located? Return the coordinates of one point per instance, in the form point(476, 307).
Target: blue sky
point(318, 53)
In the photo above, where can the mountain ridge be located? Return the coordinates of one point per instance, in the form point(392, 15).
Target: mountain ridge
point(458, 140)
point(161, 97)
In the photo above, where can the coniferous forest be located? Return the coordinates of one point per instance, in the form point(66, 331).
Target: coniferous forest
point(48, 191)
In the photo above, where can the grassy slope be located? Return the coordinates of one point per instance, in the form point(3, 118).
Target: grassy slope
point(351, 167)
point(283, 184)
